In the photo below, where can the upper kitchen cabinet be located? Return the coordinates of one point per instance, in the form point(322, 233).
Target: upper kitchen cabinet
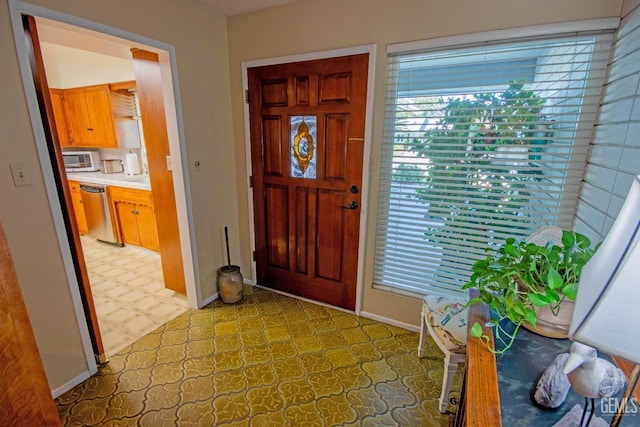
point(101, 116)
point(57, 97)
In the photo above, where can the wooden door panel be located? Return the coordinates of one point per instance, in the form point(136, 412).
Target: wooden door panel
point(329, 237)
point(273, 146)
point(277, 226)
point(302, 90)
point(301, 206)
point(306, 242)
point(62, 130)
point(334, 88)
point(77, 117)
point(99, 107)
point(336, 161)
point(78, 211)
point(128, 223)
point(274, 93)
point(147, 229)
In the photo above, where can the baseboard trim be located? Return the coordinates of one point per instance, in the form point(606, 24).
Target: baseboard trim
point(388, 321)
point(211, 299)
point(59, 391)
point(365, 314)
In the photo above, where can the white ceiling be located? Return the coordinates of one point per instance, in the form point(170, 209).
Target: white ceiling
point(237, 7)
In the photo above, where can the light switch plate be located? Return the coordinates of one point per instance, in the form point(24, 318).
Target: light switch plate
point(169, 163)
point(20, 173)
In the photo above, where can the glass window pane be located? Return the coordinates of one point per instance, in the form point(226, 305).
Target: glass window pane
point(480, 144)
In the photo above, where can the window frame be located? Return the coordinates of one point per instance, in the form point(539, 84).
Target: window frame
point(474, 40)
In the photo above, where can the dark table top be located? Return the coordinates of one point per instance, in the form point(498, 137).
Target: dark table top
point(519, 369)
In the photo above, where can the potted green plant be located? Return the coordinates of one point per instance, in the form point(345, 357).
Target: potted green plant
point(520, 278)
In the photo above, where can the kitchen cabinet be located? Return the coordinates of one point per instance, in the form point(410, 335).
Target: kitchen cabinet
point(57, 99)
point(99, 116)
point(78, 208)
point(89, 117)
point(135, 216)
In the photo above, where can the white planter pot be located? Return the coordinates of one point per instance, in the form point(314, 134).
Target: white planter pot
point(552, 326)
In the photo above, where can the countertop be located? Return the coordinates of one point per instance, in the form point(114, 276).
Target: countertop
point(140, 182)
point(518, 372)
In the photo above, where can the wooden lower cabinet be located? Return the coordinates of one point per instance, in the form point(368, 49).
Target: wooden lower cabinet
point(78, 207)
point(147, 227)
point(135, 215)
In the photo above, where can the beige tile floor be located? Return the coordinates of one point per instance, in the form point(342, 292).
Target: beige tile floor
point(128, 292)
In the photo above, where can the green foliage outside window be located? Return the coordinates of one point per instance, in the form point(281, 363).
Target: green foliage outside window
point(464, 151)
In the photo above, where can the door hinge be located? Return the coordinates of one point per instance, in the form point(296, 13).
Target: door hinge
point(251, 181)
point(254, 255)
point(246, 96)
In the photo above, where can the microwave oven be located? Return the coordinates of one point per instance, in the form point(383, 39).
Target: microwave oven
point(81, 161)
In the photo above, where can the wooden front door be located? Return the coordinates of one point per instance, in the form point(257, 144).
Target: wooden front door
point(307, 122)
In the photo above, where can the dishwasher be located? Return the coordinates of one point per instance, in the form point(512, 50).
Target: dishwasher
point(96, 209)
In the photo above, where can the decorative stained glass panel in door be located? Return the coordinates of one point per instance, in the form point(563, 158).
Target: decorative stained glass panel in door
point(303, 145)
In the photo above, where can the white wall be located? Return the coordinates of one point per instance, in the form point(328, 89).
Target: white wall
point(316, 25)
point(615, 150)
point(199, 37)
point(69, 67)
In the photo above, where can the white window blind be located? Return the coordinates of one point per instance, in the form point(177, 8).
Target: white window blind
point(481, 143)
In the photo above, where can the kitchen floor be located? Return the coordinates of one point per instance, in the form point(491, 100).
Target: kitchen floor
point(128, 292)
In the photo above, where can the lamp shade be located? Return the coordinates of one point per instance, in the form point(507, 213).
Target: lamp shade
point(607, 308)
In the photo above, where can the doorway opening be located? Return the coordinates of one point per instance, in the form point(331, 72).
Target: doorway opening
point(125, 278)
point(161, 72)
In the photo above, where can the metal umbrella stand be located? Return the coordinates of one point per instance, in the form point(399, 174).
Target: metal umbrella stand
point(229, 278)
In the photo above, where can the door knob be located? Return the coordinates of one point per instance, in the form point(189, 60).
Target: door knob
point(351, 206)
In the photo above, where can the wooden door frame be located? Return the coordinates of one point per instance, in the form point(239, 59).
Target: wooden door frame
point(57, 162)
point(364, 212)
point(167, 52)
